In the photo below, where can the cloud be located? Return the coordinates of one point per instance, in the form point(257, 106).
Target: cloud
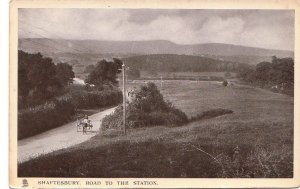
point(260, 28)
point(221, 30)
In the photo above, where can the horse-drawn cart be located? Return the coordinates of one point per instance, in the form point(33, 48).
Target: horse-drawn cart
point(84, 127)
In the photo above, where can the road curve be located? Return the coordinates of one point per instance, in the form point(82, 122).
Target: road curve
point(58, 138)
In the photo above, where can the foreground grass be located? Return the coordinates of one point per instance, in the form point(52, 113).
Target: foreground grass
point(255, 141)
point(164, 152)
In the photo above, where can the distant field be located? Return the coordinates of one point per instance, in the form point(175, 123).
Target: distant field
point(255, 141)
point(82, 76)
point(79, 73)
point(145, 74)
point(78, 68)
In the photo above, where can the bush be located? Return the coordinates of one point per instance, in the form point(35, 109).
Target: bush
point(95, 99)
point(45, 117)
point(148, 108)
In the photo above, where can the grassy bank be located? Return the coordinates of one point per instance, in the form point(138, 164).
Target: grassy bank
point(256, 140)
point(159, 152)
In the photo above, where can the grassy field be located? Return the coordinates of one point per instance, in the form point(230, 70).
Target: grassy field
point(256, 140)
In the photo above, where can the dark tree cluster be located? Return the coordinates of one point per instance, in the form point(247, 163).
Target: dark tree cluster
point(39, 79)
point(105, 73)
point(277, 75)
point(64, 74)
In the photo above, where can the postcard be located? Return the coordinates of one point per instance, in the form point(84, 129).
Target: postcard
point(154, 94)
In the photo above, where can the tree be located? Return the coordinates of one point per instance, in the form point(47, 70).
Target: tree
point(64, 73)
point(285, 67)
point(118, 65)
point(36, 78)
point(105, 73)
point(23, 81)
point(264, 72)
point(246, 72)
point(42, 76)
point(274, 59)
point(280, 71)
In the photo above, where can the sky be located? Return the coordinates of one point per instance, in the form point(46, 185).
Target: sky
point(271, 29)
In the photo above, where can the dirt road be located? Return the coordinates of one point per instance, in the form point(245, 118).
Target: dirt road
point(58, 138)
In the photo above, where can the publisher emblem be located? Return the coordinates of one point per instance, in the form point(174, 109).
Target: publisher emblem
point(25, 183)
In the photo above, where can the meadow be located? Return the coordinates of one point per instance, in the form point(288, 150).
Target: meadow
point(256, 140)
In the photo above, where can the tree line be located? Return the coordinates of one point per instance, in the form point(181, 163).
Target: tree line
point(47, 99)
point(278, 75)
point(39, 79)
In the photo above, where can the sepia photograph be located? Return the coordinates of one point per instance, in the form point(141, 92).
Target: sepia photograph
point(154, 93)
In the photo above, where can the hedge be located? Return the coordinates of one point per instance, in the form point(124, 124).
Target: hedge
point(55, 113)
point(42, 118)
point(96, 99)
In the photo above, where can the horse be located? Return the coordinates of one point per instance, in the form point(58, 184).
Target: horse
point(86, 126)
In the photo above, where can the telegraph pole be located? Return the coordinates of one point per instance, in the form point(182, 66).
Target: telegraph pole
point(124, 99)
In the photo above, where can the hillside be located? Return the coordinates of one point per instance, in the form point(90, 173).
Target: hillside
point(125, 48)
point(178, 63)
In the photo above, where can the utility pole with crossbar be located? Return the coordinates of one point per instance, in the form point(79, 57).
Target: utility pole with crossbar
point(124, 98)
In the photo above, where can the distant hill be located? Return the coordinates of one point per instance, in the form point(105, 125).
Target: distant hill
point(124, 48)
